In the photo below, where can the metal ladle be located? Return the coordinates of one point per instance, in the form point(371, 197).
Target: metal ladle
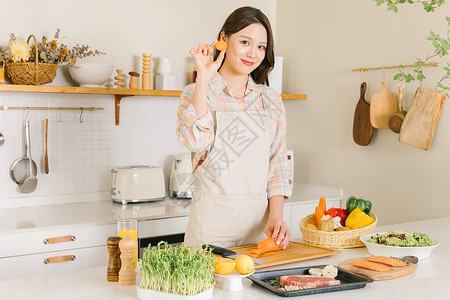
point(30, 183)
point(19, 170)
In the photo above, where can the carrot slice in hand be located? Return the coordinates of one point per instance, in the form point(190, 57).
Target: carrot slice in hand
point(268, 245)
point(221, 45)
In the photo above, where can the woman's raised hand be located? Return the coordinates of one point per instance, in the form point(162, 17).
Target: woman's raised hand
point(206, 68)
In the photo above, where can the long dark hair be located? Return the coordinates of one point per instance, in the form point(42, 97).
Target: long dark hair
point(238, 20)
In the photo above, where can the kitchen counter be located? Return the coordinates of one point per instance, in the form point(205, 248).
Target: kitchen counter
point(427, 282)
point(16, 220)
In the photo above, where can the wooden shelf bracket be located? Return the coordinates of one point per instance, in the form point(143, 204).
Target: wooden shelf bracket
point(117, 105)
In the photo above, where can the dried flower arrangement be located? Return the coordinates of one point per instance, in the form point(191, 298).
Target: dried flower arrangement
point(49, 51)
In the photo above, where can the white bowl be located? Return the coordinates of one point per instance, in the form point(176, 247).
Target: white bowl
point(91, 74)
point(383, 250)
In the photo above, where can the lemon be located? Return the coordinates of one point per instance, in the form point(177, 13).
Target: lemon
point(244, 264)
point(224, 266)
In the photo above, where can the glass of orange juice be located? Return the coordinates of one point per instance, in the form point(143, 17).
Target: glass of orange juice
point(128, 229)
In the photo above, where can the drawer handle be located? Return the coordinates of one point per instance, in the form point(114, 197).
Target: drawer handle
point(61, 239)
point(57, 259)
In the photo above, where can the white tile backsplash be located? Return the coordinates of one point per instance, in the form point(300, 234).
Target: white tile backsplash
point(81, 155)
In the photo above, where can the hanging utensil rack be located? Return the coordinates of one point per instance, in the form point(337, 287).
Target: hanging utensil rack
point(431, 64)
point(49, 108)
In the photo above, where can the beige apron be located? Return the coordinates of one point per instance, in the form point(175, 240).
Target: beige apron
point(229, 204)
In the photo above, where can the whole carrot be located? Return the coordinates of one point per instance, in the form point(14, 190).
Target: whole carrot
point(319, 214)
point(323, 204)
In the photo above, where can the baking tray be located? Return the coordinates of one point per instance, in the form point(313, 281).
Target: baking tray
point(349, 281)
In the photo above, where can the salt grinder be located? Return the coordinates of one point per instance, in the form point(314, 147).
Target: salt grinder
point(127, 274)
point(114, 258)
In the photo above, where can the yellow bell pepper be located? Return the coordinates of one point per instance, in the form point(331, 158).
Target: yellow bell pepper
point(358, 219)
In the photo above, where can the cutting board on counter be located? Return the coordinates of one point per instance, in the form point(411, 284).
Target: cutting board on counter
point(374, 275)
point(294, 252)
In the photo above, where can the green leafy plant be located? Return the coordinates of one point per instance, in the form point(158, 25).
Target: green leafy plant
point(177, 269)
point(428, 6)
point(441, 45)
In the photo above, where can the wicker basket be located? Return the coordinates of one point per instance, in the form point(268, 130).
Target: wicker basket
point(335, 239)
point(34, 73)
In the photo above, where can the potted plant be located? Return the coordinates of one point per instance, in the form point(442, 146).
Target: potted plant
point(37, 64)
point(176, 272)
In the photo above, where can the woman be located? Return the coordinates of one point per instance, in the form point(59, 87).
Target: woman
point(235, 127)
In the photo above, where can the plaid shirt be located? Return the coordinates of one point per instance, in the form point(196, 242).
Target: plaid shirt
point(198, 134)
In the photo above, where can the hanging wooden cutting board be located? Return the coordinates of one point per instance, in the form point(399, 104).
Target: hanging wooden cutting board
point(420, 121)
point(362, 129)
point(293, 252)
point(374, 275)
point(382, 106)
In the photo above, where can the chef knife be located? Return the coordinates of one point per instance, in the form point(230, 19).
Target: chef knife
point(231, 254)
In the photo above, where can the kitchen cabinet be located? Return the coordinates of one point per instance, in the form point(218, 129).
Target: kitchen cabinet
point(49, 251)
point(34, 264)
point(118, 93)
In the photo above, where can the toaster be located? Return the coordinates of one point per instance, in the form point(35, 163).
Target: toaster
point(137, 184)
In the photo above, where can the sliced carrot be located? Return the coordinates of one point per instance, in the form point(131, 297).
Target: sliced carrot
point(253, 255)
point(319, 214)
point(323, 204)
point(268, 245)
point(371, 266)
point(221, 45)
point(390, 261)
point(256, 251)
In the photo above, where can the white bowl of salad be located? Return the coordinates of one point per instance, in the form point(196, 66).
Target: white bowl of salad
point(399, 244)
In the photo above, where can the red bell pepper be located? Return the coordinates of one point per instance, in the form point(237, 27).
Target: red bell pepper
point(338, 212)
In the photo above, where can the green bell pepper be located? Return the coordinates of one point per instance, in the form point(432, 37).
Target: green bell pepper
point(363, 205)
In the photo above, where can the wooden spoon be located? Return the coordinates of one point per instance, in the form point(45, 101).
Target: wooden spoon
point(396, 119)
point(46, 154)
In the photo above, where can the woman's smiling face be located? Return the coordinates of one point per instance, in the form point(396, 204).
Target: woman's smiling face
point(246, 49)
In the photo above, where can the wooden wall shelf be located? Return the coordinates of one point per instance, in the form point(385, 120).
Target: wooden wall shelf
point(118, 93)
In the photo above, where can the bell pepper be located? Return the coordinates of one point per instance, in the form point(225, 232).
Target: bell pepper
point(338, 212)
point(363, 205)
point(358, 219)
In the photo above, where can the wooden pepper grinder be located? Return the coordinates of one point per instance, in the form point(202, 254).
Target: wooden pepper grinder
point(134, 82)
point(146, 69)
point(120, 79)
point(114, 258)
point(127, 274)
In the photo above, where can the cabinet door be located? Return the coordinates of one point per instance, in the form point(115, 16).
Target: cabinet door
point(70, 260)
point(41, 241)
point(300, 210)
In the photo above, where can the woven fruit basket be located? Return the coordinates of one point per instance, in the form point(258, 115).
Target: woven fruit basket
point(334, 239)
point(31, 73)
